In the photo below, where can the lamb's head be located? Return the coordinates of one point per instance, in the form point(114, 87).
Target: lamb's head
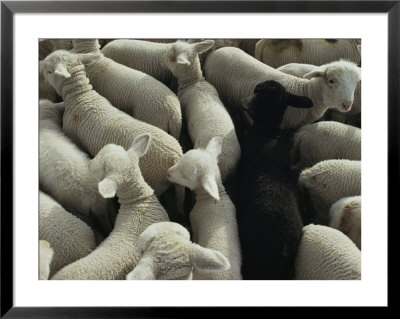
point(59, 65)
point(167, 253)
point(269, 103)
point(339, 80)
point(181, 58)
point(115, 168)
point(198, 169)
point(45, 258)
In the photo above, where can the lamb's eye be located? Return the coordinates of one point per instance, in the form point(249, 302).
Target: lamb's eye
point(331, 81)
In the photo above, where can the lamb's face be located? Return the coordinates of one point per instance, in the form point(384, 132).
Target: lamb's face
point(192, 166)
point(339, 81)
point(55, 68)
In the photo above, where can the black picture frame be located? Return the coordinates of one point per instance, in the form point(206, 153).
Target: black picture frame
point(9, 8)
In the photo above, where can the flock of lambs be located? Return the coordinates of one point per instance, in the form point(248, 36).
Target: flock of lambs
point(223, 159)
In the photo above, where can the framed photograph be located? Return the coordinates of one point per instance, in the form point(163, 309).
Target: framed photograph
point(24, 23)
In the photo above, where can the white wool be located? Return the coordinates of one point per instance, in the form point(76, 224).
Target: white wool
point(325, 140)
point(92, 122)
point(327, 254)
point(235, 74)
point(204, 112)
point(118, 173)
point(132, 91)
point(70, 238)
point(167, 253)
point(278, 52)
point(300, 69)
point(328, 181)
point(45, 257)
point(213, 217)
point(63, 170)
point(345, 215)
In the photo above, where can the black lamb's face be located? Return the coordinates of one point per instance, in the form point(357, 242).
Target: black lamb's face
point(270, 100)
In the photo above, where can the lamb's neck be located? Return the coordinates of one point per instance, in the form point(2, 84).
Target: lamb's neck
point(191, 77)
point(77, 84)
point(86, 46)
point(132, 192)
point(309, 88)
point(202, 195)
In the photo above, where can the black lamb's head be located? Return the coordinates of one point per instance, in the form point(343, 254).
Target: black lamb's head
point(270, 101)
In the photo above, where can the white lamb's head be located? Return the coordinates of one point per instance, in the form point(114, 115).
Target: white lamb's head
point(182, 57)
point(168, 254)
point(45, 257)
point(114, 167)
point(58, 66)
point(339, 81)
point(198, 169)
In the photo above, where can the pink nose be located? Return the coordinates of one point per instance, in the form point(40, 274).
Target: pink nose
point(346, 106)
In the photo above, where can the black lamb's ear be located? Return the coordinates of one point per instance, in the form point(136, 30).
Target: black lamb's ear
point(299, 101)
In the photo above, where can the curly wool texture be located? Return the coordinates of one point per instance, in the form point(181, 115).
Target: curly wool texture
point(207, 117)
point(118, 254)
point(235, 74)
point(92, 122)
point(327, 254)
point(277, 52)
point(299, 69)
point(214, 226)
point(63, 169)
point(325, 140)
point(140, 55)
point(345, 215)
point(132, 91)
point(70, 238)
point(328, 181)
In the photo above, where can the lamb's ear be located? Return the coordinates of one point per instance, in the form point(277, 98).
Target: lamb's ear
point(144, 270)
point(314, 74)
point(182, 59)
point(62, 71)
point(210, 186)
point(299, 101)
point(214, 146)
point(246, 102)
point(107, 188)
point(204, 45)
point(90, 58)
point(206, 259)
point(141, 145)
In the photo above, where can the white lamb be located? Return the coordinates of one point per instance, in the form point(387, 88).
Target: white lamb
point(328, 181)
point(145, 56)
point(70, 238)
point(132, 91)
point(213, 217)
point(63, 170)
point(45, 257)
point(46, 91)
point(325, 140)
point(235, 74)
point(345, 215)
point(277, 52)
point(118, 174)
point(204, 112)
point(92, 122)
point(168, 254)
point(327, 254)
point(351, 117)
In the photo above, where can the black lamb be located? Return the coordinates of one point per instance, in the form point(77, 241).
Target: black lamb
point(270, 225)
